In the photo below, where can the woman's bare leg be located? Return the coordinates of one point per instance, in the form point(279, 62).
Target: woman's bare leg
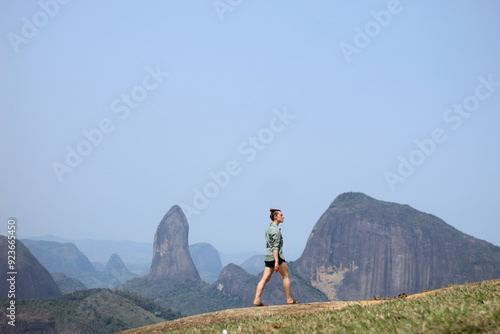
point(287, 286)
point(266, 276)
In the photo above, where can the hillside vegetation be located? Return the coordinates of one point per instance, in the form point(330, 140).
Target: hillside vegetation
point(87, 311)
point(185, 296)
point(469, 308)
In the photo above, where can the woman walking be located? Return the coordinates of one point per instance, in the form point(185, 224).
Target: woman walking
point(274, 259)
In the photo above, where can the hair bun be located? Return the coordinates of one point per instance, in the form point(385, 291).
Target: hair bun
point(273, 213)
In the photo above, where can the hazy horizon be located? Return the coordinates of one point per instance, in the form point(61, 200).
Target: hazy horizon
point(85, 236)
point(113, 112)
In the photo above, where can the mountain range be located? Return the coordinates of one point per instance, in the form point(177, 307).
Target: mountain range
point(362, 247)
point(29, 279)
point(359, 248)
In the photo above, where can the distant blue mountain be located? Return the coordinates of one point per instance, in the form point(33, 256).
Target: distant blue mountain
point(134, 254)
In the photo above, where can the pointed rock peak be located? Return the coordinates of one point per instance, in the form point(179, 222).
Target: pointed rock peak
point(176, 212)
point(358, 201)
point(174, 217)
point(352, 196)
point(171, 256)
point(232, 269)
point(351, 199)
point(115, 262)
point(118, 269)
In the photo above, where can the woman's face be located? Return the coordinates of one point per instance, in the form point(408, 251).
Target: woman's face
point(279, 217)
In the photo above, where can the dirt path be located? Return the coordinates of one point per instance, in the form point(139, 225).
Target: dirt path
point(238, 314)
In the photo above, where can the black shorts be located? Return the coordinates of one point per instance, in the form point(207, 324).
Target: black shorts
point(270, 264)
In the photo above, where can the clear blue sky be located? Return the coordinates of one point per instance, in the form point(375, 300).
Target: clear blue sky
point(113, 111)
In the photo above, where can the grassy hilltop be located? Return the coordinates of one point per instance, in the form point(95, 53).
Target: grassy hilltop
point(469, 308)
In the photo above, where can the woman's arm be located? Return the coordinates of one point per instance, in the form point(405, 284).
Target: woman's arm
point(276, 260)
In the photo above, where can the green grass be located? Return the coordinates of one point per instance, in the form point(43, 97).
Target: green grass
point(471, 308)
